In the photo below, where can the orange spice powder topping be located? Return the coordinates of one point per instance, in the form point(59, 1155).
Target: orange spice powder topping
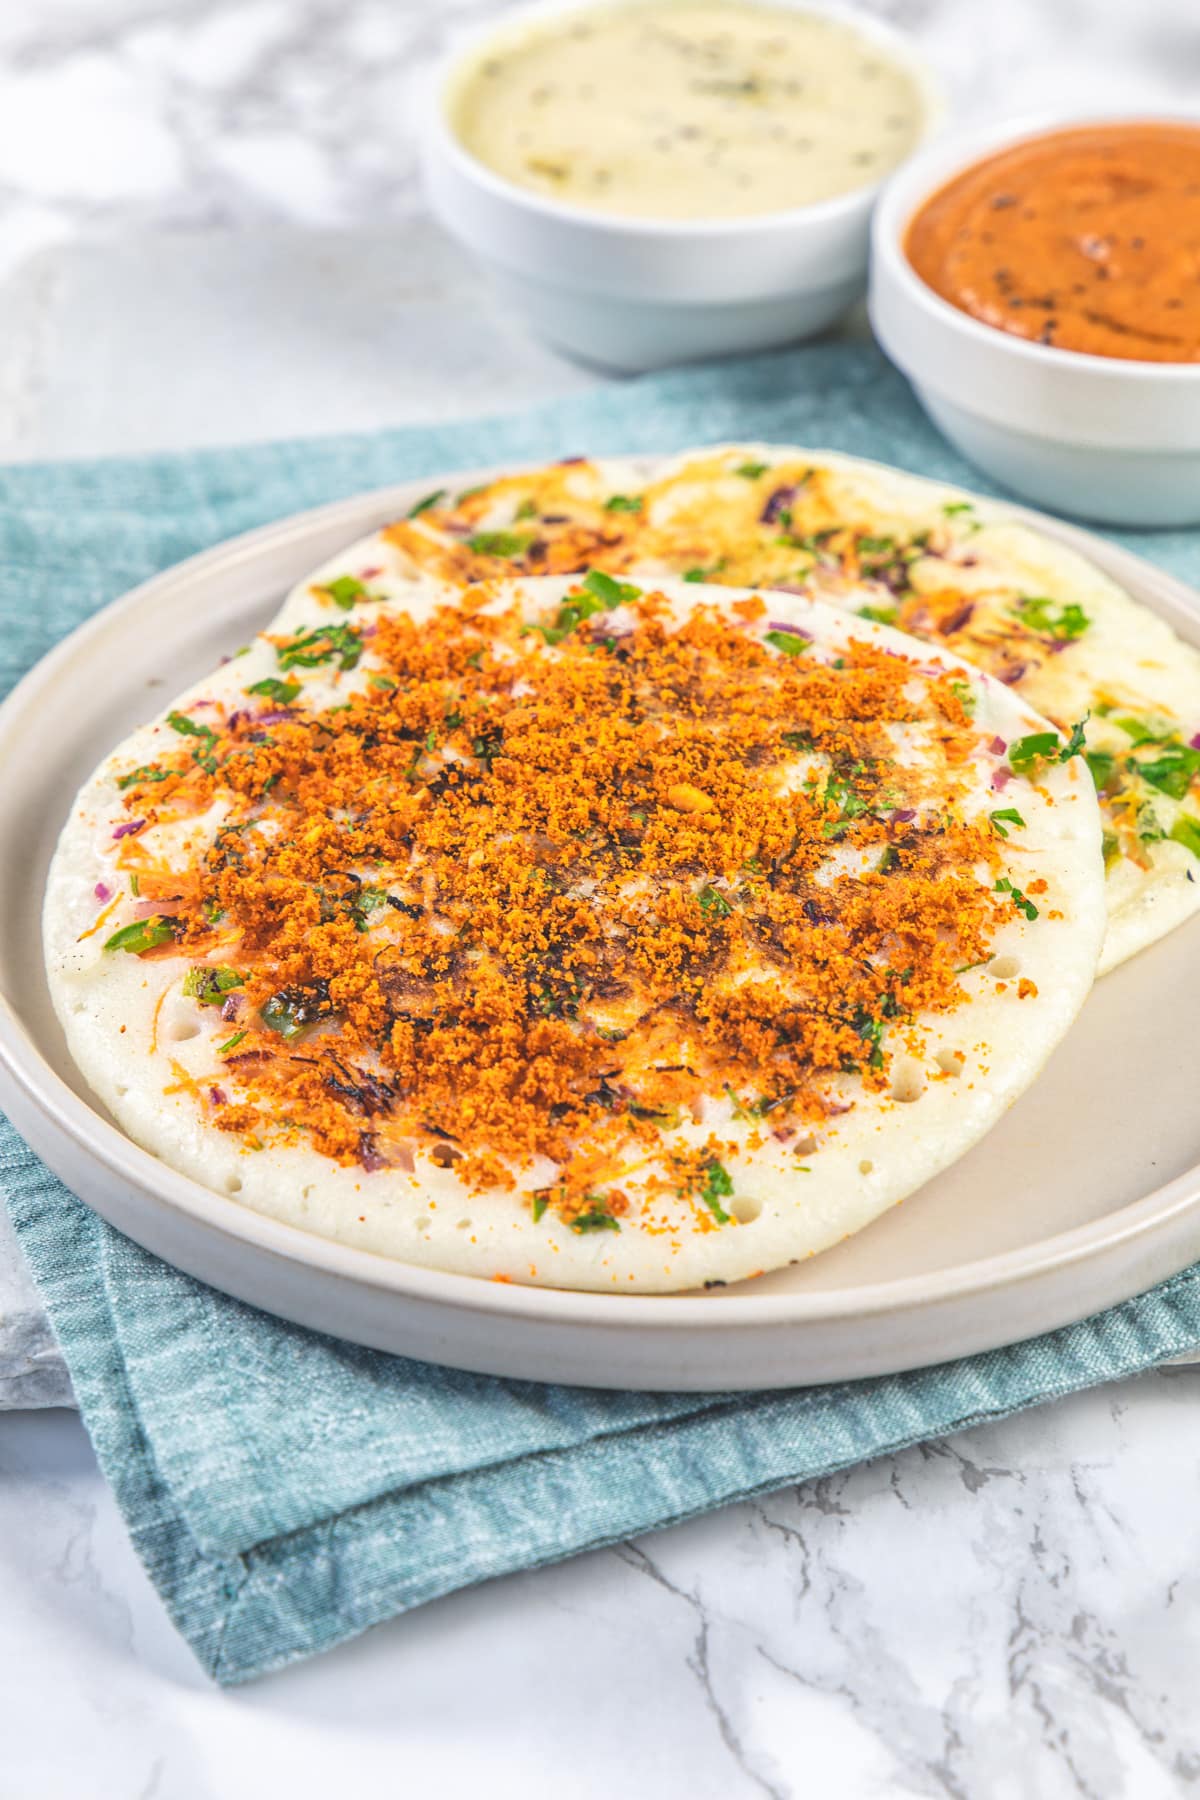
point(536, 895)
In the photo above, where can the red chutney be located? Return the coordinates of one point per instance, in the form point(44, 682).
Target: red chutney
point(1086, 239)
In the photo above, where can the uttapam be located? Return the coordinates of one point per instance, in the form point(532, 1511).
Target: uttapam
point(950, 568)
point(610, 935)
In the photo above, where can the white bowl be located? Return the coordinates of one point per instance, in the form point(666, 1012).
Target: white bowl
point(636, 294)
point(1099, 436)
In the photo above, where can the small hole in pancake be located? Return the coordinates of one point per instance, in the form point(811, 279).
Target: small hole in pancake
point(908, 1079)
point(122, 1090)
point(866, 1167)
point(1004, 967)
point(463, 1225)
point(745, 1208)
point(180, 1029)
point(950, 1062)
point(79, 1007)
point(805, 1145)
point(233, 1184)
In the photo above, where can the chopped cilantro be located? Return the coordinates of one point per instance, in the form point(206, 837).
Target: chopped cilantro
point(144, 934)
point(1041, 613)
point(209, 986)
point(327, 643)
point(188, 727)
point(1039, 746)
point(366, 900)
point(714, 905)
point(423, 505)
point(630, 503)
point(1003, 818)
point(1044, 746)
point(202, 756)
point(1075, 743)
point(596, 1217)
point(1186, 831)
point(750, 471)
point(292, 1008)
point(701, 574)
point(570, 614)
point(147, 772)
point(871, 1030)
point(500, 543)
point(954, 507)
point(1005, 886)
point(1101, 764)
point(850, 804)
point(788, 643)
point(346, 591)
point(1149, 827)
point(1172, 772)
point(384, 683)
point(876, 546)
point(230, 1043)
point(540, 1203)
point(882, 615)
point(717, 1187)
point(613, 593)
point(271, 689)
point(1141, 732)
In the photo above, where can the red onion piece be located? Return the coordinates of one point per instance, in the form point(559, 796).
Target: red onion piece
point(374, 1155)
point(997, 746)
point(777, 503)
point(1001, 779)
point(102, 891)
point(956, 620)
point(128, 828)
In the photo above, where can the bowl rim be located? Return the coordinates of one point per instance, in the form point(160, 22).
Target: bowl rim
point(441, 137)
point(934, 164)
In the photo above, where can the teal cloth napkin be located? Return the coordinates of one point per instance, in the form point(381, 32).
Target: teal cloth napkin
point(286, 1491)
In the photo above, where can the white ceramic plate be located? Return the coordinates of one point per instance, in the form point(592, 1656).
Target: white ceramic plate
point(1088, 1191)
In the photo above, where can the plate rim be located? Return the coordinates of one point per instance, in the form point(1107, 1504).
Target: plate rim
point(27, 1072)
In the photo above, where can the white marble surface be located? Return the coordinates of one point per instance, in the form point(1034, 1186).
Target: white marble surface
point(1014, 1615)
point(210, 229)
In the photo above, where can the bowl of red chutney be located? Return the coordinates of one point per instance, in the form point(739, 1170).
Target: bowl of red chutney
point(1039, 284)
